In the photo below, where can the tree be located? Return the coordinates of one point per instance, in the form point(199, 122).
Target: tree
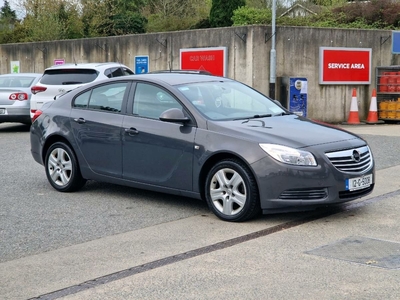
point(222, 11)
point(47, 20)
point(168, 15)
point(7, 13)
point(328, 2)
point(8, 21)
point(112, 17)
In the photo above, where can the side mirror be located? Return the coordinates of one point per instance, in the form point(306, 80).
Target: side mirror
point(174, 115)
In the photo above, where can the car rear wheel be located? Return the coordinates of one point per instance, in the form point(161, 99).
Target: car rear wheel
point(62, 168)
point(231, 191)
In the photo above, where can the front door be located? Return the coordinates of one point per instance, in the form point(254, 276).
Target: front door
point(156, 152)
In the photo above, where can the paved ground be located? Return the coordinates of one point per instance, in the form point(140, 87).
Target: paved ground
point(350, 253)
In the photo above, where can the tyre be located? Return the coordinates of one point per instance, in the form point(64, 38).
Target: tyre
point(62, 169)
point(231, 191)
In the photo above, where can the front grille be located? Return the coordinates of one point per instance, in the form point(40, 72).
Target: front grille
point(354, 160)
point(304, 194)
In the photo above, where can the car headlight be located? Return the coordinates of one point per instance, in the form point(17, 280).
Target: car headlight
point(289, 155)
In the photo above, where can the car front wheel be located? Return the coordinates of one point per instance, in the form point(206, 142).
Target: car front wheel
point(62, 168)
point(231, 191)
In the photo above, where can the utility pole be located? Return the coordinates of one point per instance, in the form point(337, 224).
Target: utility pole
point(272, 65)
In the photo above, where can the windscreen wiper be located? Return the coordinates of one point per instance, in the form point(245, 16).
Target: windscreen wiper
point(261, 116)
point(255, 117)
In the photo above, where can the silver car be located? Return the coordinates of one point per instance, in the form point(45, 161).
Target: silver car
point(199, 136)
point(15, 96)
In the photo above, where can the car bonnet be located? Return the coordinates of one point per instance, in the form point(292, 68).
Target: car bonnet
point(288, 130)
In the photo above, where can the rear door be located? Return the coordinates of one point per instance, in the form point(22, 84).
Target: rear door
point(96, 120)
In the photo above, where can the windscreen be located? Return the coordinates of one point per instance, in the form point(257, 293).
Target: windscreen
point(226, 100)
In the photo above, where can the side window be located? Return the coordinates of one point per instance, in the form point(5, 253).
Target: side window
point(126, 72)
point(151, 101)
point(82, 100)
point(108, 73)
point(108, 97)
point(114, 72)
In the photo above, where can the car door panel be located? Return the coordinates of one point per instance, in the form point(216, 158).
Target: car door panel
point(98, 136)
point(156, 152)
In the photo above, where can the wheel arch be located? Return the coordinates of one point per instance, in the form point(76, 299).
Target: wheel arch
point(212, 160)
point(54, 139)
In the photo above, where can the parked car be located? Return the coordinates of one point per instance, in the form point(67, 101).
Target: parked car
point(199, 136)
point(60, 79)
point(15, 96)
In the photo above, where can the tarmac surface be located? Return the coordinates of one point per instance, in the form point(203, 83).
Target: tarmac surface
point(348, 253)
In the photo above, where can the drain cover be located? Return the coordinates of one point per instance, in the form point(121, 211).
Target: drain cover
point(362, 250)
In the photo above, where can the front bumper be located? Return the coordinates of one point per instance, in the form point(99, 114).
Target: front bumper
point(285, 188)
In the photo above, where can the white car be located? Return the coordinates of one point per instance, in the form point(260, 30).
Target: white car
point(60, 79)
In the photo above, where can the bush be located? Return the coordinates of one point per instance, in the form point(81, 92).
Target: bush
point(222, 11)
point(250, 16)
point(382, 13)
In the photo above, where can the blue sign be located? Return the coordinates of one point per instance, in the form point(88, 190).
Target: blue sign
point(298, 91)
point(141, 64)
point(395, 42)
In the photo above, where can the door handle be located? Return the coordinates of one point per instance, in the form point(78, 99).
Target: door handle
point(80, 120)
point(131, 131)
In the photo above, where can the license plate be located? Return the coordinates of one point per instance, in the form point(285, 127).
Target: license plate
point(358, 182)
point(2, 111)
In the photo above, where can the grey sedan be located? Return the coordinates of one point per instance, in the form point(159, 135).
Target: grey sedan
point(199, 136)
point(15, 96)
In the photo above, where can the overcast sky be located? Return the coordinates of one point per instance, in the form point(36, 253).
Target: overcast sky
point(13, 6)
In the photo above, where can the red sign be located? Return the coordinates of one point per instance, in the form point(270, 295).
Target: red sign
point(212, 60)
point(344, 65)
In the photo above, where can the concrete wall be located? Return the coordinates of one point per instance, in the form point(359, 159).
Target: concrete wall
point(248, 47)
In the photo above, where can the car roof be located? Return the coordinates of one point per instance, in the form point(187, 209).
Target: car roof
point(86, 66)
point(180, 78)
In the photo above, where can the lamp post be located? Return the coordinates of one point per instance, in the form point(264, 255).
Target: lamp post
point(272, 65)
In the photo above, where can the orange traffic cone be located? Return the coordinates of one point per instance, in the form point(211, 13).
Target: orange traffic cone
point(353, 115)
point(373, 111)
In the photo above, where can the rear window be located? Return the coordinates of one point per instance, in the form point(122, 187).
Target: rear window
point(68, 76)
